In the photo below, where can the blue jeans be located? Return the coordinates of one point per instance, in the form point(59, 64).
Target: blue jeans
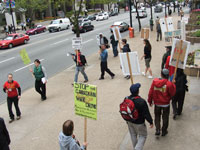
point(82, 70)
point(115, 51)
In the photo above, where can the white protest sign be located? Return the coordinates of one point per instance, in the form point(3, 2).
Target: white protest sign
point(185, 19)
point(98, 39)
point(183, 50)
point(135, 67)
point(116, 33)
point(166, 24)
point(77, 43)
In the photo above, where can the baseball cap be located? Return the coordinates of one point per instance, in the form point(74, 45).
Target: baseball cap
point(134, 88)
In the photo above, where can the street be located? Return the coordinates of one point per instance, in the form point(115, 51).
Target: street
point(51, 49)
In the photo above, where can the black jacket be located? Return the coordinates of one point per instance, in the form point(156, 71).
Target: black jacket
point(83, 61)
point(105, 40)
point(112, 40)
point(143, 110)
point(164, 59)
point(181, 81)
point(126, 48)
point(4, 136)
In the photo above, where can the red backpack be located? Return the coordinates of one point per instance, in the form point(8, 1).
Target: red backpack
point(128, 110)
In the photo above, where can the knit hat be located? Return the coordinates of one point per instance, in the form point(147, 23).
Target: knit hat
point(134, 88)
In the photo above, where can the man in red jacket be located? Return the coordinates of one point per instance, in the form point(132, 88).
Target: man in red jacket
point(10, 87)
point(160, 94)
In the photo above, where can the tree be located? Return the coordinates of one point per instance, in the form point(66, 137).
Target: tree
point(150, 2)
point(135, 3)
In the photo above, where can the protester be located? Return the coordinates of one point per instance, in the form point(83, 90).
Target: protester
point(6, 30)
point(125, 49)
point(41, 79)
point(13, 90)
point(114, 44)
point(104, 65)
point(22, 25)
point(9, 29)
point(170, 68)
point(160, 94)
point(165, 56)
point(80, 65)
point(137, 128)
point(147, 57)
point(181, 88)
point(103, 40)
point(4, 136)
point(158, 29)
point(67, 139)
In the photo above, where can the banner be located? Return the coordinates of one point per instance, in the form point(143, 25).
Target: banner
point(85, 97)
point(145, 33)
point(133, 56)
point(116, 33)
point(77, 43)
point(197, 58)
point(176, 49)
point(24, 56)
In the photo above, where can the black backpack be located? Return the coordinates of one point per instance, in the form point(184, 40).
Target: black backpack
point(83, 60)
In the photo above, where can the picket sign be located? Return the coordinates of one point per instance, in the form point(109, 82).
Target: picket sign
point(117, 35)
point(129, 66)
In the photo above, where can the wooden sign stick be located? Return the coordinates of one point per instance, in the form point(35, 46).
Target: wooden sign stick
point(129, 65)
point(198, 74)
point(166, 25)
point(85, 131)
point(178, 58)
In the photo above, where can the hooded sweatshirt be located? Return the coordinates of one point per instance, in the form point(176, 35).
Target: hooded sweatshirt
point(126, 48)
point(68, 143)
point(161, 92)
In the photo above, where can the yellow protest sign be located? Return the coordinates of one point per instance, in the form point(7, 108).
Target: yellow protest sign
point(24, 56)
point(85, 97)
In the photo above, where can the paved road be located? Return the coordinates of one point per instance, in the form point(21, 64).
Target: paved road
point(52, 48)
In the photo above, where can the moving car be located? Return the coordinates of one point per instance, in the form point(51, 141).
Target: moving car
point(59, 24)
point(84, 27)
point(123, 26)
point(158, 9)
point(14, 40)
point(36, 30)
point(142, 13)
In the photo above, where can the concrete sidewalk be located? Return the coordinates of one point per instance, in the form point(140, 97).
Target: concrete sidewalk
point(42, 121)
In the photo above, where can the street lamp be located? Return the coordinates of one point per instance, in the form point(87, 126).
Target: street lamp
point(131, 24)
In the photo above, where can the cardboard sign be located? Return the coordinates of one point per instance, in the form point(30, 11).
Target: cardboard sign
point(24, 56)
point(116, 33)
point(135, 67)
point(166, 25)
point(77, 43)
point(85, 97)
point(183, 53)
point(197, 58)
point(145, 33)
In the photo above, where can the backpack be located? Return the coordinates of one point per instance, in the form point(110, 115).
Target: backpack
point(128, 110)
point(83, 60)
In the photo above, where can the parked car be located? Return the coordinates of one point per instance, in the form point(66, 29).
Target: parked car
point(133, 10)
point(158, 9)
point(100, 17)
point(91, 17)
point(105, 15)
point(37, 29)
point(142, 13)
point(59, 24)
point(84, 27)
point(113, 13)
point(123, 26)
point(14, 40)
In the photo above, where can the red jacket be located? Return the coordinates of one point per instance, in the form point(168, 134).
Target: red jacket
point(161, 92)
point(170, 68)
point(12, 88)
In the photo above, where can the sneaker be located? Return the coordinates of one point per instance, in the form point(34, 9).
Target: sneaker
point(18, 117)
point(11, 120)
point(164, 133)
point(150, 77)
point(85, 81)
point(112, 77)
point(174, 117)
point(143, 73)
point(157, 132)
point(128, 77)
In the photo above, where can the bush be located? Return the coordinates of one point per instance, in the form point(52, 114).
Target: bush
point(198, 17)
point(190, 60)
point(198, 23)
point(196, 34)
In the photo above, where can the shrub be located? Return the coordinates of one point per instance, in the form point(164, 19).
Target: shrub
point(196, 34)
point(190, 60)
point(198, 17)
point(198, 23)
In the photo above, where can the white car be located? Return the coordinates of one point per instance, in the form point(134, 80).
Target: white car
point(59, 24)
point(100, 17)
point(133, 10)
point(142, 13)
point(105, 15)
point(143, 8)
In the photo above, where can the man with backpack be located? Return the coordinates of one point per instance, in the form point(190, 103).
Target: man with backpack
point(80, 65)
point(135, 111)
point(160, 94)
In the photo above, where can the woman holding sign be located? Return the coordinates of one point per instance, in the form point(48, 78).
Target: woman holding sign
point(41, 79)
point(147, 57)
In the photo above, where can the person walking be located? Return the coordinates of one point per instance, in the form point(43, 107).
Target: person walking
point(181, 88)
point(103, 40)
point(165, 56)
point(40, 78)
point(147, 57)
point(137, 128)
point(13, 90)
point(9, 29)
point(125, 49)
point(104, 64)
point(114, 44)
point(67, 140)
point(4, 136)
point(80, 61)
point(158, 29)
point(160, 94)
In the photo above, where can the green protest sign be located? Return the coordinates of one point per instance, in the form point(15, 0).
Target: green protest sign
point(24, 56)
point(85, 97)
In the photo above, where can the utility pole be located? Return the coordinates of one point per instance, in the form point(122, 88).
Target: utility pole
point(11, 12)
point(130, 4)
point(165, 9)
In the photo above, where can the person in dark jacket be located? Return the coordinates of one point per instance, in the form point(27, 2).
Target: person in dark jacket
point(103, 40)
point(137, 128)
point(181, 88)
point(165, 56)
point(4, 136)
point(159, 31)
point(114, 44)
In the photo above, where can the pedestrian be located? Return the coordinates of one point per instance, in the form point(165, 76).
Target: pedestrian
point(4, 136)
point(9, 29)
point(114, 44)
point(67, 139)
point(158, 29)
point(103, 40)
point(13, 90)
point(22, 26)
point(165, 56)
point(104, 64)
point(40, 78)
point(147, 57)
point(181, 88)
point(80, 65)
point(137, 128)
point(5, 30)
point(151, 24)
point(25, 26)
point(170, 12)
point(125, 49)
point(160, 94)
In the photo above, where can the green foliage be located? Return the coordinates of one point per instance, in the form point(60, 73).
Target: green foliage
point(196, 34)
point(190, 60)
point(198, 23)
point(198, 17)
